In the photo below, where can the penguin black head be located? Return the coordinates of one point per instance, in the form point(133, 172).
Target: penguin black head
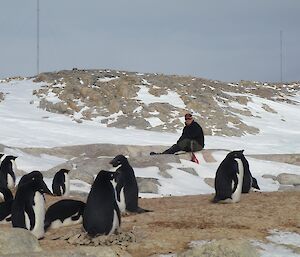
point(64, 171)
point(118, 160)
point(40, 185)
point(105, 175)
point(236, 154)
point(254, 183)
point(30, 176)
point(11, 157)
point(36, 179)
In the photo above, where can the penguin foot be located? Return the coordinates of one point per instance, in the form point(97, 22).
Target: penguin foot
point(154, 153)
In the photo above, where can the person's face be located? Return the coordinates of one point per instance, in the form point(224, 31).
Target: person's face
point(188, 121)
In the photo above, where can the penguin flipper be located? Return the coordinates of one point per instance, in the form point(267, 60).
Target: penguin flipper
point(235, 177)
point(30, 212)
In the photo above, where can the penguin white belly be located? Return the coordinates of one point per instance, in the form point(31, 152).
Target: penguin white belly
point(39, 211)
point(66, 222)
point(27, 221)
point(1, 198)
point(236, 196)
point(67, 184)
point(122, 203)
point(116, 224)
point(10, 182)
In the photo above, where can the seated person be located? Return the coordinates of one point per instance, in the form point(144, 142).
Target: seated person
point(191, 140)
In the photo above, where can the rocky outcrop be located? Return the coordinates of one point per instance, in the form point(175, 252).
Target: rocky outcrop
point(15, 241)
point(1, 96)
point(117, 99)
point(224, 248)
point(286, 181)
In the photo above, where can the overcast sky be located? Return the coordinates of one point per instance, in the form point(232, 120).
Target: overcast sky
point(228, 40)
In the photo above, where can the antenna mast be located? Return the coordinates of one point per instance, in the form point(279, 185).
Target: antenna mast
point(281, 56)
point(38, 38)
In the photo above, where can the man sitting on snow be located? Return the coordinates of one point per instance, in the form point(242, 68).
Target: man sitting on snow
point(191, 140)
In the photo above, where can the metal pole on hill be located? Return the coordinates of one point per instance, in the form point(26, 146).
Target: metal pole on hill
point(281, 56)
point(38, 38)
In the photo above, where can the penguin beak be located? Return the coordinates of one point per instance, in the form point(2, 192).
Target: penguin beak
point(115, 164)
point(46, 189)
point(112, 162)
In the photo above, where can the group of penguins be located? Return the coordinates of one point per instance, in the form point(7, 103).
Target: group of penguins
point(112, 194)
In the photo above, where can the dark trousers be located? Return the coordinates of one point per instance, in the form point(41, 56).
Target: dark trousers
point(186, 145)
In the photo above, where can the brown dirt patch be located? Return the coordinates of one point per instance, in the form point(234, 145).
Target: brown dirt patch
point(176, 221)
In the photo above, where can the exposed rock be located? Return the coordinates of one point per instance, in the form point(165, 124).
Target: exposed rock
point(289, 188)
point(81, 175)
point(85, 167)
point(2, 148)
point(17, 240)
point(285, 158)
point(114, 96)
point(270, 176)
point(82, 251)
point(190, 170)
point(148, 185)
point(77, 236)
point(154, 160)
point(1, 96)
point(224, 248)
point(164, 174)
point(288, 179)
point(210, 182)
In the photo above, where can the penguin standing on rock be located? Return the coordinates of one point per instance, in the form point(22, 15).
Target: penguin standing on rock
point(7, 171)
point(229, 178)
point(101, 215)
point(126, 185)
point(64, 213)
point(61, 183)
point(28, 208)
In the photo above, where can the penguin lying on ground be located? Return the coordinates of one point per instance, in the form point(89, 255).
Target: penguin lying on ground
point(7, 171)
point(248, 180)
point(61, 183)
point(229, 178)
point(101, 215)
point(64, 213)
point(28, 208)
point(126, 186)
